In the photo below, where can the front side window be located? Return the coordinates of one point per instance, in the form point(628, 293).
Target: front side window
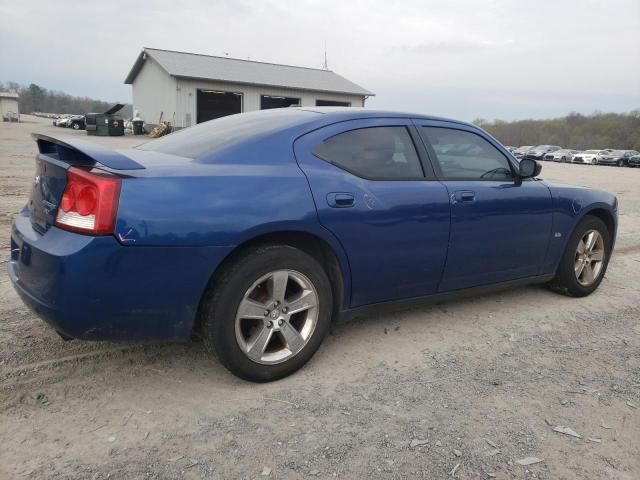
point(464, 155)
point(381, 153)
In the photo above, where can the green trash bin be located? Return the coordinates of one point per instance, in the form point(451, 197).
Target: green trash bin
point(105, 124)
point(115, 125)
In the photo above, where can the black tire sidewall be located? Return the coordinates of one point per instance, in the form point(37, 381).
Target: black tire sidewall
point(566, 280)
point(237, 278)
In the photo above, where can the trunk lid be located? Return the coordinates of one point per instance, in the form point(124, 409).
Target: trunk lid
point(52, 162)
point(46, 192)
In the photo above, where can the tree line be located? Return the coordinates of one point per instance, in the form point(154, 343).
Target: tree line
point(34, 98)
point(577, 131)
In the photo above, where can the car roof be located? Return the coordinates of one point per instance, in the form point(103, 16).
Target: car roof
point(353, 113)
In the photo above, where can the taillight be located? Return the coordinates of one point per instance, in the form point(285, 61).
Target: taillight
point(90, 202)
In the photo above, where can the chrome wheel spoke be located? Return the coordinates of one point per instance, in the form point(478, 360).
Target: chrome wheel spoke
point(258, 346)
point(597, 255)
point(592, 237)
point(581, 246)
point(578, 268)
point(587, 273)
point(279, 285)
point(250, 309)
point(294, 340)
point(304, 302)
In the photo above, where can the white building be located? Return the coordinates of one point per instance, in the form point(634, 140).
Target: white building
point(8, 104)
point(187, 88)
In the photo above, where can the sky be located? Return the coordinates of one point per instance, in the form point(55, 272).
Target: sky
point(464, 59)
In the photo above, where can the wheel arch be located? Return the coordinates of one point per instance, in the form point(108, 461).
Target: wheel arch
point(330, 257)
point(606, 216)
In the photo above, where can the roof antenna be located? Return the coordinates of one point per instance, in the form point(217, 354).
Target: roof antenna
point(325, 66)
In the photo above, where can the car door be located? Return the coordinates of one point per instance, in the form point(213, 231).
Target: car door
point(500, 226)
point(371, 191)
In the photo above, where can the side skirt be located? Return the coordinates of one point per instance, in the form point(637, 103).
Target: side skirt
point(394, 305)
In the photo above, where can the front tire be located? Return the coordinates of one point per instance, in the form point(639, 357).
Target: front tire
point(268, 312)
point(585, 259)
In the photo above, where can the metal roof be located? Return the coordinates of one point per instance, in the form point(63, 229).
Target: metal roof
point(9, 95)
point(223, 69)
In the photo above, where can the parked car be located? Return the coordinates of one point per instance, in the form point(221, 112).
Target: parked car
point(510, 148)
point(11, 117)
point(538, 153)
point(77, 122)
point(520, 152)
point(563, 155)
point(634, 161)
point(619, 158)
point(255, 231)
point(63, 121)
point(588, 156)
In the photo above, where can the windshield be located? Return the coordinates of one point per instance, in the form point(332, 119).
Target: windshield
point(207, 137)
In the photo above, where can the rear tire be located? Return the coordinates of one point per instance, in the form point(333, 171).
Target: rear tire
point(76, 126)
point(570, 277)
point(620, 163)
point(234, 337)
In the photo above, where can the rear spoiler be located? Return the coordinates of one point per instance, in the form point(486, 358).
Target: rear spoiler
point(75, 151)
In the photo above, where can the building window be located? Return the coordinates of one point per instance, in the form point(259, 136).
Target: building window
point(332, 103)
point(272, 101)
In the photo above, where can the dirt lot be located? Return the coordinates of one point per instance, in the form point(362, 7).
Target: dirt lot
point(463, 389)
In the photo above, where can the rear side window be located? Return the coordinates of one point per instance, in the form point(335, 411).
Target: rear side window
point(380, 153)
point(208, 137)
point(464, 155)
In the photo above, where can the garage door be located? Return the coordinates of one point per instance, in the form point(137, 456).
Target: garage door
point(214, 104)
point(332, 103)
point(271, 101)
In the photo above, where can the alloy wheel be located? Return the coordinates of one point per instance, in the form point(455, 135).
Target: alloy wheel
point(589, 258)
point(276, 317)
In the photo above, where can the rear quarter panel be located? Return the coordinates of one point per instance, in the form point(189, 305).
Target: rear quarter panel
point(225, 201)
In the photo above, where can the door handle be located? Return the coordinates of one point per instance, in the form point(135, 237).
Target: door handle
point(340, 200)
point(464, 196)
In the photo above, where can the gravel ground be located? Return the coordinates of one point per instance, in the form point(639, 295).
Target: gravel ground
point(462, 390)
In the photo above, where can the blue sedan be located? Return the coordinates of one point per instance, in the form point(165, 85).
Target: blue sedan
point(255, 231)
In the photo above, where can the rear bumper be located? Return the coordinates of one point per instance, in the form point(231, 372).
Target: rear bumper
point(94, 288)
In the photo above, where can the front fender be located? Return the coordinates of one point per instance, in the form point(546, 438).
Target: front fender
point(571, 204)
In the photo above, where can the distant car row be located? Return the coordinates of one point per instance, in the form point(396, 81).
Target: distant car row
point(554, 153)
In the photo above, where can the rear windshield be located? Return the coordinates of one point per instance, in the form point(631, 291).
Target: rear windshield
point(208, 137)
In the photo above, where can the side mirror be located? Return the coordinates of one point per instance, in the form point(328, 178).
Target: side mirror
point(529, 168)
